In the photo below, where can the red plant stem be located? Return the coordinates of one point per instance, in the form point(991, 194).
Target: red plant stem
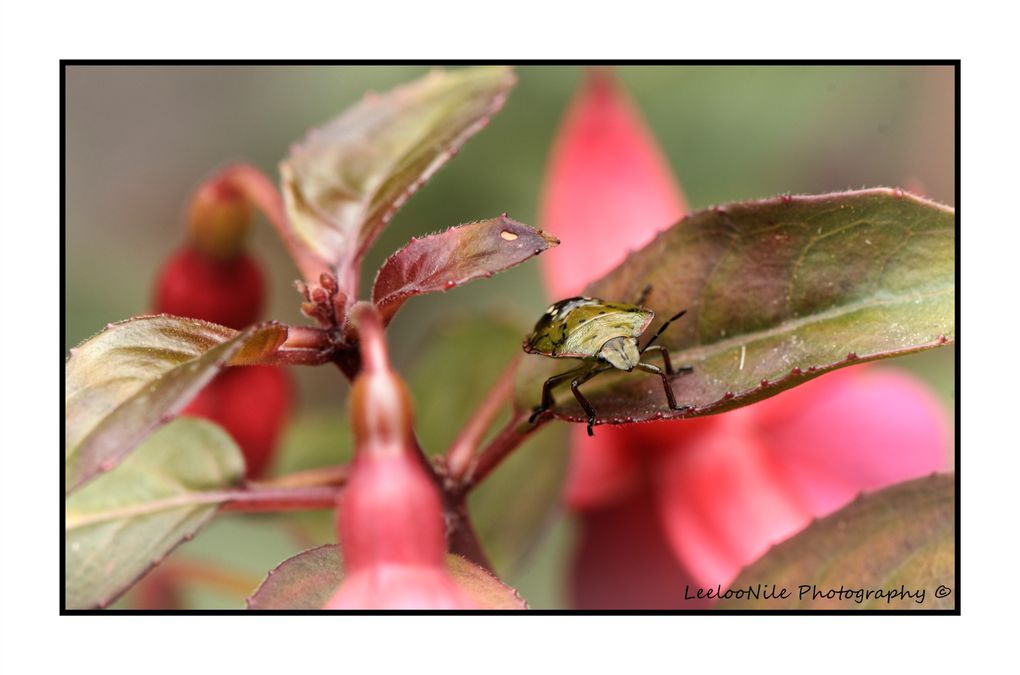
point(304, 346)
point(462, 450)
point(306, 337)
point(327, 475)
point(513, 433)
point(260, 500)
point(298, 357)
point(461, 536)
point(262, 193)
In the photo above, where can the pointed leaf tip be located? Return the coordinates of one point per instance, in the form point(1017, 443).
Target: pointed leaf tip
point(346, 179)
point(448, 259)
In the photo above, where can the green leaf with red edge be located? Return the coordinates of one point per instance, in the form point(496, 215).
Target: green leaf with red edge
point(902, 537)
point(126, 521)
point(439, 262)
point(309, 580)
point(137, 374)
point(778, 292)
point(345, 180)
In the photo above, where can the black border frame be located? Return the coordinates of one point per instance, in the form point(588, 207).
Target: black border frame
point(65, 63)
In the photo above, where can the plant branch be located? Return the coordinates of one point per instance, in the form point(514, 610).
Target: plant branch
point(304, 346)
point(327, 475)
point(461, 536)
point(462, 450)
point(307, 337)
point(299, 357)
point(514, 432)
point(262, 193)
point(260, 500)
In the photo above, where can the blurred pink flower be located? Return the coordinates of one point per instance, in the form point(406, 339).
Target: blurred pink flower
point(605, 175)
point(390, 518)
point(670, 503)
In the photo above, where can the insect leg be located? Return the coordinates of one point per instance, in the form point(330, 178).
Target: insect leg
point(550, 384)
point(655, 370)
point(588, 408)
point(683, 370)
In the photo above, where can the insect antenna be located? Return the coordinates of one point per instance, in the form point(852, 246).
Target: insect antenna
point(663, 327)
point(645, 292)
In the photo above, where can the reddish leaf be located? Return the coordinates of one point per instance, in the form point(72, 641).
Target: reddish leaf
point(461, 254)
point(309, 580)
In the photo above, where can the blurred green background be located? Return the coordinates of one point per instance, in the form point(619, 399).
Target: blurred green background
point(139, 139)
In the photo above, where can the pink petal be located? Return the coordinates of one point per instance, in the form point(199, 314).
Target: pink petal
point(614, 464)
point(604, 469)
point(608, 189)
point(723, 500)
point(872, 428)
point(766, 470)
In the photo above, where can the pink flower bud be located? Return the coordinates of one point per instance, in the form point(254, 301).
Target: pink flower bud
point(390, 518)
point(608, 189)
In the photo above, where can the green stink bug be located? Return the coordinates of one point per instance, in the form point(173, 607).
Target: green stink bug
point(605, 336)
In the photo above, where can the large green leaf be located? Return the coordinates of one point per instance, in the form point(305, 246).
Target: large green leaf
point(777, 292)
point(511, 508)
point(900, 539)
point(345, 180)
point(135, 375)
point(124, 522)
point(309, 580)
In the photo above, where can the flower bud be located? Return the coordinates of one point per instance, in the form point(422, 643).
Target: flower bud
point(390, 518)
point(228, 292)
point(253, 404)
point(218, 218)
point(213, 279)
point(608, 187)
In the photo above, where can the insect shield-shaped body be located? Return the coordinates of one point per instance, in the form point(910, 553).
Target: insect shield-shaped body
point(605, 336)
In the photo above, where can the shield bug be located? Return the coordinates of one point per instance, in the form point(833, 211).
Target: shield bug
point(605, 336)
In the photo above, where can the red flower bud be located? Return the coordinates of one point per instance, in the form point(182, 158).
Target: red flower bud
point(390, 517)
point(212, 279)
point(228, 292)
point(253, 404)
point(218, 218)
